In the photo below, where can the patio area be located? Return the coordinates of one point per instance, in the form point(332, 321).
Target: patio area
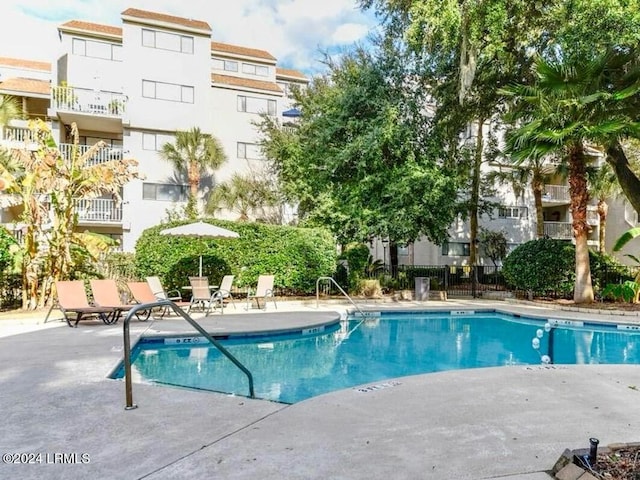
point(507, 422)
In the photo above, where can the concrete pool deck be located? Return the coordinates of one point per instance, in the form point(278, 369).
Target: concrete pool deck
point(492, 423)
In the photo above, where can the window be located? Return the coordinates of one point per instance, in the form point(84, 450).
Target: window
point(250, 151)
point(228, 65)
point(164, 192)
point(512, 212)
point(155, 141)
point(256, 105)
point(456, 249)
point(93, 49)
point(167, 91)
point(284, 87)
point(403, 251)
point(252, 69)
point(167, 41)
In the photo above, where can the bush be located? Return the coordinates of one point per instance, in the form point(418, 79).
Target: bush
point(357, 257)
point(541, 266)
point(296, 256)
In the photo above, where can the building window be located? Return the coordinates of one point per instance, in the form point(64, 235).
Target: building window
point(250, 151)
point(227, 65)
point(165, 192)
point(256, 105)
point(456, 249)
point(167, 91)
point(252, 69)
point(155, 141)
point(167, 41)
point(90, 48)
point(403, 251)
point(512, 212)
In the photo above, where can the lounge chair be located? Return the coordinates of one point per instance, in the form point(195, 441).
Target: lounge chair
point(264, 290)
point(106, 294)
point(141, 292)
point(201, 294)
point(72, 299)
point(160, 293)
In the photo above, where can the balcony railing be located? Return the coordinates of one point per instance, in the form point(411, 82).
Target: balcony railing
point(558, 230)
point(99, 210)
point(83, 100)
point(103, 155)
point(18, 137)
point(556, 193)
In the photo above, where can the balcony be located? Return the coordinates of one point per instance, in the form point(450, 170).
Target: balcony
point(103, 155)
point(91, 109)
point(558, 230)
point(98, 211)
point(18, 137)
point(556, 194)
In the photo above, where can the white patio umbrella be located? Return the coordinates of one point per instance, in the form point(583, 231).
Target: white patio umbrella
point(200, 230)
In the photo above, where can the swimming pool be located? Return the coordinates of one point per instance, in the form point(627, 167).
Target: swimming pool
point(291, 368)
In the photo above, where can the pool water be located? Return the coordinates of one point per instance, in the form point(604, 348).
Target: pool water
point(292, 368)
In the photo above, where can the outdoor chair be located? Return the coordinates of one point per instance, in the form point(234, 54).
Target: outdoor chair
point(106, 294)
point(264, 290)
point(141, 293)
point(160, 293)
point(202, 295)
point(225, 289)
point(72, 299)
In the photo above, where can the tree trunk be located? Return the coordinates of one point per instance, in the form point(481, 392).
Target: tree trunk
point(628, 180)
point(475, 195)
point(583, 291)
point(537, 185)
point(603, 210)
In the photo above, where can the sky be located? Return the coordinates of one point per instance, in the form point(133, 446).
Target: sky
point(296, 32)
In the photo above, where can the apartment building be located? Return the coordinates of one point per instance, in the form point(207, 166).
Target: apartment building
point(133, 86)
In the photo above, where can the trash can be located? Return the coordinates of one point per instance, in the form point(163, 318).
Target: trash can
point(422, 288)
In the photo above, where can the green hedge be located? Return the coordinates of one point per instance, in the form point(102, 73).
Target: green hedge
point(296, 256)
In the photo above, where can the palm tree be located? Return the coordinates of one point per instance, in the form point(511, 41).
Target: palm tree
point(603, 185)
point(572, 103)
point(9, 109)
point(194, 153)
point(520, 173)
point(244, 194)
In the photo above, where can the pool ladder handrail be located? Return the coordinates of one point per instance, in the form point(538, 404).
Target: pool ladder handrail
point(341, 291)
point(168, 303)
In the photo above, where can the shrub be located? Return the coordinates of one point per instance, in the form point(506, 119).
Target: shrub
point(541, 266)
point(357, 258)
point(296, 256)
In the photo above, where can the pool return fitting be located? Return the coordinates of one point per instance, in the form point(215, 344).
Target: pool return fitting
point(169, 304)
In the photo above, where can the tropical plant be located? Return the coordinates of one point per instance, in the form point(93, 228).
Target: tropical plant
point(9, 109)
point(244, 194)
point(603, 185)
point(193, 154)
point(571, 103)
point(48, 186)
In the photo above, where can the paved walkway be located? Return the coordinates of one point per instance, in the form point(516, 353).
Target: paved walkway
point(492, 423)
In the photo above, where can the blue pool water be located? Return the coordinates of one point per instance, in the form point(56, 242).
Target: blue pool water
point(296, 367)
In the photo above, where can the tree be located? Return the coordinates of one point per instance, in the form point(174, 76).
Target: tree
point(357, 164)
point(9, 109)
point(573, 102)
point(193, 154)
point(603, 185)
point(494, 245)
point(49, 186)
point(245, 194)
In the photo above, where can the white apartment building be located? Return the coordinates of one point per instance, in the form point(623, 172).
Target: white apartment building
point(133, 86)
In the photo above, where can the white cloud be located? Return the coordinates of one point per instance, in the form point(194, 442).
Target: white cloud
point(294, 31)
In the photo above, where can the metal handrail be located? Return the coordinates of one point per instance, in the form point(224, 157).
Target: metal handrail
point(127, 346)
point(339, 288)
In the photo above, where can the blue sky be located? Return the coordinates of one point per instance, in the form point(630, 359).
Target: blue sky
point(296, 32)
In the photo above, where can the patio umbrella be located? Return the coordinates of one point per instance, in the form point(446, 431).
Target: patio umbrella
point(200, 230)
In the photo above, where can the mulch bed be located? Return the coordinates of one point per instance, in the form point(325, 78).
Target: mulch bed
point(621, 464)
